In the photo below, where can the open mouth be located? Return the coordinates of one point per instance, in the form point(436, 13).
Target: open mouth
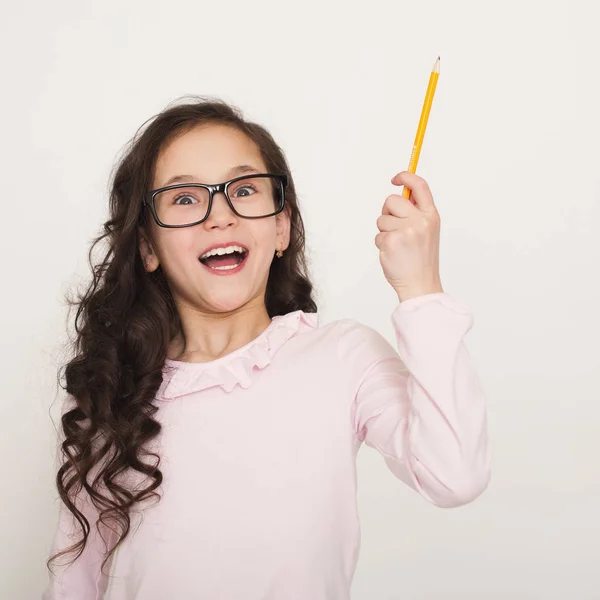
point(224, 259)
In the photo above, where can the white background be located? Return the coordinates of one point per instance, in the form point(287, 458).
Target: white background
point(512, 155)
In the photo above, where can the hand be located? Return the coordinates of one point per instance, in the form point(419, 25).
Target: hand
point(409, 239)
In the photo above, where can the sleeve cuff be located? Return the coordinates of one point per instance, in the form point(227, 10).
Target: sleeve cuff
point(439, 297)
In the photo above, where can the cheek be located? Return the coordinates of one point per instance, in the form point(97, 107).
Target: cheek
point(264, 239)
point(178, 246)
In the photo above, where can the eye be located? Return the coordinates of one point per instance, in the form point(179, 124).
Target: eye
point(182, 197)
point(245, 188)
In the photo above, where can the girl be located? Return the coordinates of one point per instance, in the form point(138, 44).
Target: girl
point(211, 425)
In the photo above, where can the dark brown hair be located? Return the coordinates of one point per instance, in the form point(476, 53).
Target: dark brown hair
point(126, 319)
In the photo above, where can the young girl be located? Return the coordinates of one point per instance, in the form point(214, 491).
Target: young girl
point(211, 424)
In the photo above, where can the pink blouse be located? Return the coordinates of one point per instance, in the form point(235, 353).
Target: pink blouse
point(258, 453)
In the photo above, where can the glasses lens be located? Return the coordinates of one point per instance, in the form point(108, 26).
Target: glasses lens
point(182, 205)
point(256, 196)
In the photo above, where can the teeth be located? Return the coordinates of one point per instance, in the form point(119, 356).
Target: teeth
point(225, 268)
point(220, 251)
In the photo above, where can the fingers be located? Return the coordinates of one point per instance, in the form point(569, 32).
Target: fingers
point(398, 206)
point(387, 223)
point(420, 192)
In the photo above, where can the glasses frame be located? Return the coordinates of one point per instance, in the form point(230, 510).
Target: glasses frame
point(212, 190)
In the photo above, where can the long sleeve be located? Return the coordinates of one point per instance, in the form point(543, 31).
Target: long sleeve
point(422, 407)
point(83, 578)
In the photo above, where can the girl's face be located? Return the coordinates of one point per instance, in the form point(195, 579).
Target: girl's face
point(211, 154)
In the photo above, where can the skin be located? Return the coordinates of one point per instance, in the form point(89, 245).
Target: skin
point(222, 314)
point(409, 239)
point(218, 314)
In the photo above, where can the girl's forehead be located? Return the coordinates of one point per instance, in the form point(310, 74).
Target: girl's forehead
point(208, 153)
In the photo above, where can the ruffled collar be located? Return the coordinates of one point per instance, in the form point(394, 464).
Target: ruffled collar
point(235, 368)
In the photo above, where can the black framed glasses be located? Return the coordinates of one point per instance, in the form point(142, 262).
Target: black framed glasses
point(249, 196)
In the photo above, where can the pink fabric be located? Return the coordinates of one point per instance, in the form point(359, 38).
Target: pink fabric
point(258, 454)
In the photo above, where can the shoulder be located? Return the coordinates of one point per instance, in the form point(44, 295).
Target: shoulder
point(357, 341)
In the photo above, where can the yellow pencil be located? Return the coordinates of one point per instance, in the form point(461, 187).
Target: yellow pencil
point(416, 151)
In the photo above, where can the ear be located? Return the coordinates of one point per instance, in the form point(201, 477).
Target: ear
point(283, 222)
point(147, 253)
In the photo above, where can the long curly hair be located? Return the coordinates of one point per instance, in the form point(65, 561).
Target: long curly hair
point(126, 320)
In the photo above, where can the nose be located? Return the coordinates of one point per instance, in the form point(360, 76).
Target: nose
point(221, 214)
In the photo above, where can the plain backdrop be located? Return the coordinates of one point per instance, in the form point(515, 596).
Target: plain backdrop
point(512, 155)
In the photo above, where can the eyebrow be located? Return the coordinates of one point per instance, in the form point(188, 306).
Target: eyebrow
point(239, 170)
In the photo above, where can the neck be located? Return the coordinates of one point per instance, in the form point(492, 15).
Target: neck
point(208, 336)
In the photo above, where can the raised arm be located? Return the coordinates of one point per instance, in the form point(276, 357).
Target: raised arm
point(422, 407)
